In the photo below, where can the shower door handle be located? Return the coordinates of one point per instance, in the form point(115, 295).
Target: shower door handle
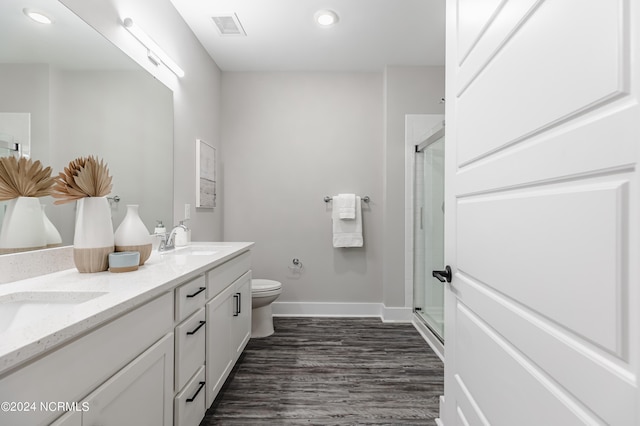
point(443, 276)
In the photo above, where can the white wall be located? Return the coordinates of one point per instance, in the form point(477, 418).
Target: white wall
point(288, 140)
point(407, 90)
point(196, 95)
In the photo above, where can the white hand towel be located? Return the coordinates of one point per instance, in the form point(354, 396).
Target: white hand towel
point(347, 233)
point(346, 205)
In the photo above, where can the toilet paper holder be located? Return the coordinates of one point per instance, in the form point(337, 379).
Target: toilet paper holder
point(297, 264)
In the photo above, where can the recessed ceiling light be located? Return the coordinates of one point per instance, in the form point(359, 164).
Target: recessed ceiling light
point(38, 16)
point(326, 18)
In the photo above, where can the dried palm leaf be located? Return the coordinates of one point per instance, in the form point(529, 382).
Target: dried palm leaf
point(23, 178)
point(84, 177)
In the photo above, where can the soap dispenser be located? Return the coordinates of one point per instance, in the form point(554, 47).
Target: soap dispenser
point(160, 229)
point(181, 235)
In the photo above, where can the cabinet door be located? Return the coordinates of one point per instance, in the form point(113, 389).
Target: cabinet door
point(139, 394)
point(241, 323)
point(219, 361)
point(73, 418)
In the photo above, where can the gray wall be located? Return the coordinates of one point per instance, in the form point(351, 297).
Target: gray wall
point(125, 119)
point(25, 88)
point(377, 273)
point(407, 90)
point(289, 139)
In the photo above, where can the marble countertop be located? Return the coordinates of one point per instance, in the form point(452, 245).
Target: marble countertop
point(109, 295)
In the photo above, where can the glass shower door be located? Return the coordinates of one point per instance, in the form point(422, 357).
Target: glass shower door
point(429, 234)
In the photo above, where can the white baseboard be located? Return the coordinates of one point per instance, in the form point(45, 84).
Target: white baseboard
point(428, 336)
point(395, 314)
point(439, 421)
point(326, 309)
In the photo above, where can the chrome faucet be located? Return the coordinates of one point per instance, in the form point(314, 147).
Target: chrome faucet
point(168, 241)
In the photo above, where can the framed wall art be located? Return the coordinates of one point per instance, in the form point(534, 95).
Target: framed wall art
point(206, 177)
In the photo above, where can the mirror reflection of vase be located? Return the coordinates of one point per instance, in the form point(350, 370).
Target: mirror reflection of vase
point(22, 226)
point(52, 236)
point(93, 236)
point(133, 235)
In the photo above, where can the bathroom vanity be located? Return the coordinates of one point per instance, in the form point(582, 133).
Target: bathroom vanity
point(150, 347)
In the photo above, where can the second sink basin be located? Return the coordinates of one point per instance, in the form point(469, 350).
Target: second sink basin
point(24, 308)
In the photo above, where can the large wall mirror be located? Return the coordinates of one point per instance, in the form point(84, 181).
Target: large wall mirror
point(82, 96)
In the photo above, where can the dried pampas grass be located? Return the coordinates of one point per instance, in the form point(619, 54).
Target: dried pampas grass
point(84, 177)
point(23, 178)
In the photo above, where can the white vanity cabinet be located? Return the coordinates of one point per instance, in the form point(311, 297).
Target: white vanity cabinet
point(120, 365)
point(210, 340)
point(158, 362)
point(241, 321)
point(189, 401)
point(229, 319)
point(139, 394)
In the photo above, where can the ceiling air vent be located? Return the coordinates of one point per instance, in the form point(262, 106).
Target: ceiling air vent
point(228, 25)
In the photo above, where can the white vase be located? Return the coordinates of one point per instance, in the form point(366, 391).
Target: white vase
point(93, 236)
point(22, 226)
point(52, 236)
point(132, 235)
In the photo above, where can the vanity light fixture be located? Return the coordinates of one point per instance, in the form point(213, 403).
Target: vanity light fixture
point(155, 54)
point(37, 16)
point(326, 18)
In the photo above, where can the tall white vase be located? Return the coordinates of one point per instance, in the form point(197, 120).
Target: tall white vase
point(52, 236)
point(93, 236)
point(22, 226)
point(132, 235)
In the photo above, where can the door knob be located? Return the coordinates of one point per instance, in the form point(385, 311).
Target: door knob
point(443, 276)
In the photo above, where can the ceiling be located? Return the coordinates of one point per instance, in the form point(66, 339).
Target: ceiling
point(281, 35)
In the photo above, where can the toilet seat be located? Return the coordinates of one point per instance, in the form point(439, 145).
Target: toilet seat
point(261, 286)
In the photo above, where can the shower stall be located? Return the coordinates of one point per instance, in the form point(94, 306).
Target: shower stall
point(428, 232)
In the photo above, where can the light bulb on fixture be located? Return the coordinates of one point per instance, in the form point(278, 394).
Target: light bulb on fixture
point(37, 16)
point(326, 18)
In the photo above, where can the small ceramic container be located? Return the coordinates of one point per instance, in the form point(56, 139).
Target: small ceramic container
point(124, 261)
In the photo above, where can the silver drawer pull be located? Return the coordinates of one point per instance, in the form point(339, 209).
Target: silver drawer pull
point(191, 333)
point(193, 398)
point(200, 290)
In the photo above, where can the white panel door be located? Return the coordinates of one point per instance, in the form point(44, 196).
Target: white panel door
point(542, 212)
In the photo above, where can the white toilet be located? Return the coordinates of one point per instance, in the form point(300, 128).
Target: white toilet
point(263, 293)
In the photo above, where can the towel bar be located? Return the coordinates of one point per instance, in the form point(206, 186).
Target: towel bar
point(366, 199)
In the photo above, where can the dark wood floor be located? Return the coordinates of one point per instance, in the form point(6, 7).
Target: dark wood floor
point(332, 371)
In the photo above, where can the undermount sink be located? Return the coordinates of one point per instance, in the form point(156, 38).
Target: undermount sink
point(197, 250)
point(24, 308)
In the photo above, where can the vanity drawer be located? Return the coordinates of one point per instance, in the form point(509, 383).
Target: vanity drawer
point(190, 297)
point(223, 275)
point(190, 347)
point(189, 405)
